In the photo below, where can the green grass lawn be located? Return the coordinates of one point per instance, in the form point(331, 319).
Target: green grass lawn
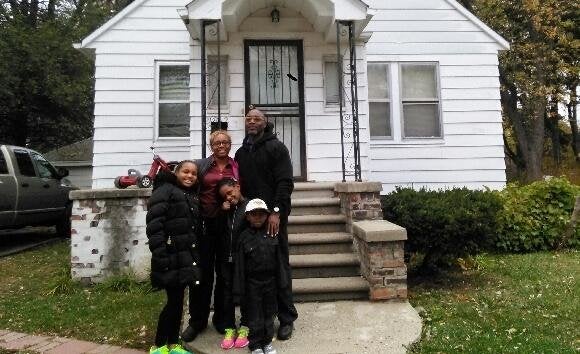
point(502, 304)
point(506, 304)
point(37, 297)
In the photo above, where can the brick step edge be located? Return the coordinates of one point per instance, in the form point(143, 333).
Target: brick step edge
point(314, 186)
point(319, 238)
point(323, 260)
point(329, 285)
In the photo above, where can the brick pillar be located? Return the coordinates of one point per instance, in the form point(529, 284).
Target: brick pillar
point(378, 244)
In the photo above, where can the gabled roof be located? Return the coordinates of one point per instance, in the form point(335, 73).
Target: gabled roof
point(136, 3)
point(485, 28)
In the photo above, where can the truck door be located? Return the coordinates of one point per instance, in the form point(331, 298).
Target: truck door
point(54, 194)
point(32, 203)
point(7, 193)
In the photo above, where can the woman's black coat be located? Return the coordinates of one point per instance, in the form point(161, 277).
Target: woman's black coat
point(172, 229)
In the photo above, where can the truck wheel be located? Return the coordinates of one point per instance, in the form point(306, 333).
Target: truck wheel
point(63, 227)
point(118, 183)
point(144, 182)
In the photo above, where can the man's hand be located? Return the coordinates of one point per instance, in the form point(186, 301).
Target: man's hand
point(273, 224)
point(226, 205)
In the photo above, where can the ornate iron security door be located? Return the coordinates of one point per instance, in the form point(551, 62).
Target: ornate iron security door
point(274, 81)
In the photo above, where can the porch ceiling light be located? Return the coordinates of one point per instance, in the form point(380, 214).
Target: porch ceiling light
point(275, 14)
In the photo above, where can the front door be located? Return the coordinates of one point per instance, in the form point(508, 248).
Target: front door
point(274, 80)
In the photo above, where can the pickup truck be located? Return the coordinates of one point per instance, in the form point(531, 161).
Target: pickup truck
point(32, 191)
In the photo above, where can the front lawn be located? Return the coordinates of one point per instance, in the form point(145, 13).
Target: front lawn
point(526, 303)
point(36, 297)
point(501, 304)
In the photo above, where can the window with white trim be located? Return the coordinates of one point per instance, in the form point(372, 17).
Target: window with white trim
point(173, 101)
point(379, 100)
point(331, 82)
point(404, 101)
point(212, 81)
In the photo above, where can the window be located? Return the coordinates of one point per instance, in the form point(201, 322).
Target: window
point(45, 169)
point(24, 163)
point(212, 81)
point(404, 101)
point(173, 100)
point(3, 164)
point(331, 82)
point(379, 100)
point(420, 99)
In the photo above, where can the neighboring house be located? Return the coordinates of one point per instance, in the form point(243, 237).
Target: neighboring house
point(427, 85)
point(77, 158)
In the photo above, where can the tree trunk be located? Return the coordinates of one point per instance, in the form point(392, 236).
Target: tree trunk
point(572, 117)
point(535, 139)
point(554, 119)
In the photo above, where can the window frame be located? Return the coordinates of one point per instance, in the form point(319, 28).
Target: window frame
point(331, 59)
point(402, 101)
point(158, 65)
point(4, 162)
point(379, 100)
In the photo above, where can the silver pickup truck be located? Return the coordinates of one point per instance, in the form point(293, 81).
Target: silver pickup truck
point(32, 191)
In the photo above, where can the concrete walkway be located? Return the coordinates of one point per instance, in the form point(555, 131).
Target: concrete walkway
point(338, 327)
point(22, 342)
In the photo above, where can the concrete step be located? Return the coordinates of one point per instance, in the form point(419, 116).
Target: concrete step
point(316, 223)
point(324, 265)
point(309, 243)
point(315, 206)
point(313, 189)
point(325, 289)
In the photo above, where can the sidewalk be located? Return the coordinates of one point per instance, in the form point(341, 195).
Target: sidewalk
point(353, 327)
point(22, 342)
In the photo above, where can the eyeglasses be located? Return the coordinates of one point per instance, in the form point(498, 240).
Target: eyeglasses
point(224, 143)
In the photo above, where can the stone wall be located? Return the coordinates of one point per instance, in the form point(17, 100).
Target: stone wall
point(378, 244)
point(108, 234)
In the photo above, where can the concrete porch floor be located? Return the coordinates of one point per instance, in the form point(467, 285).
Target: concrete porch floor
point(338, 327)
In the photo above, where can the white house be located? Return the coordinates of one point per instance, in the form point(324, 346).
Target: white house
point(426, 79)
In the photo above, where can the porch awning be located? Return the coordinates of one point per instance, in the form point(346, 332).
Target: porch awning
point(322, 14)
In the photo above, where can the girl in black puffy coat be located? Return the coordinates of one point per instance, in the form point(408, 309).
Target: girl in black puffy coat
point(172, 229)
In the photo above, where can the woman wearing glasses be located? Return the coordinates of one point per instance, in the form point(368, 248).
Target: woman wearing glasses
point(211, 170)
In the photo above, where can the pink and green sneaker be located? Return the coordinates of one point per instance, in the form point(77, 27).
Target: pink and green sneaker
point(242, 340)
point(229, 339)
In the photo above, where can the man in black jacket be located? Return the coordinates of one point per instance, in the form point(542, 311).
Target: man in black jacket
point(266, 173)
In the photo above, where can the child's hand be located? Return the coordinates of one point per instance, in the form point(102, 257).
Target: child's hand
point(226, 205)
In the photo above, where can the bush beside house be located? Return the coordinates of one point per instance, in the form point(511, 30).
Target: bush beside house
point(448, 224)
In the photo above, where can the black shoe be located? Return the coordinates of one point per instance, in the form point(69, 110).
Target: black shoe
point(190, 333)
point(285, 331)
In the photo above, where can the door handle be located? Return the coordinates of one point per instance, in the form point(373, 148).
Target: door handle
point(24, 184)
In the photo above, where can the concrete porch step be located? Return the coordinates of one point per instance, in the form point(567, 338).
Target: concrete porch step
point(315, 206)
point(316, 243)
point(326, 289)
point(313, 190)
point(316, 223)
point(324, 265)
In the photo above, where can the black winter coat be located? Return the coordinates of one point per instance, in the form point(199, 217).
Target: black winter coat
point(266, 171)
point(233, 222)
point(172, 229)
point(259, 258)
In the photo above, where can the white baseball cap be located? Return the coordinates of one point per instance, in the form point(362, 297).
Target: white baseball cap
point(257, 204)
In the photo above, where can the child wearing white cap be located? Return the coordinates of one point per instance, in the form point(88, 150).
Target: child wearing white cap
point(258, 276)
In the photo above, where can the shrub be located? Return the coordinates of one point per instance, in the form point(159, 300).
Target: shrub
point(443, 225)
point(535, 216)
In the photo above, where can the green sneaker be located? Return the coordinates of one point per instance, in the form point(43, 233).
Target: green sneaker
point(178, 349)
point(160, 350)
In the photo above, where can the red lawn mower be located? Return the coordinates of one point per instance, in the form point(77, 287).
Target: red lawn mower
point(135, 177)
